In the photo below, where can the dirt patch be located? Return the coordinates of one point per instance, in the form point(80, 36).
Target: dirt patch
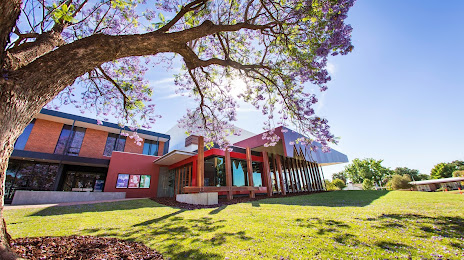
point(82, 247)
point(222, 201)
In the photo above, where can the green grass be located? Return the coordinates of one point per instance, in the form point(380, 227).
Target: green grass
point(341, 224)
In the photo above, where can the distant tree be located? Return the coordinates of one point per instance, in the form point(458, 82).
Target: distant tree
point(340, 184)
point(445, 170)
point(398, 182)
point(367, 184)
point(458, 174)
point(339, 175)
point(413, 173)
point(371, 169)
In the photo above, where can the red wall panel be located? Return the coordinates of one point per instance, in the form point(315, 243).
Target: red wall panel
point(44, 136)
point(132, 147)
point(129, 163)
point(94, 144)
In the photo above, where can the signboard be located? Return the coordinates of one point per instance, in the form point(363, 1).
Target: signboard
point(123, 180)
point(145, 181)
point(134, 181)
point(99, 185)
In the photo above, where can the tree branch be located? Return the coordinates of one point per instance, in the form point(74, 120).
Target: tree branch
point(185, 9)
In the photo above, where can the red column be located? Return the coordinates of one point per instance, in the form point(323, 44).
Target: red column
point(201, 162)
point(228, 175)
point(250, 171)
point(267, 174)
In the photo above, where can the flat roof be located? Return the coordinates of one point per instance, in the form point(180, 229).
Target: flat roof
point(444, 180)
point(173, 157)
point(86, 122)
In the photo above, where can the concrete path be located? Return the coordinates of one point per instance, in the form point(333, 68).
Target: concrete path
point(7, 207)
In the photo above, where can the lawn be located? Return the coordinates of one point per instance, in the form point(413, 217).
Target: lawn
point(335, 225)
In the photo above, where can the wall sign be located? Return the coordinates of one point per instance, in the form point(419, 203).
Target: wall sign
point(145, 181)
point(134, 181)
point(123, 180)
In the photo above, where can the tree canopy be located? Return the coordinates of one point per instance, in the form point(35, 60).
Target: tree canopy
point(94, 54)
point(93, 49)
point(367, 169)
point(445, 170)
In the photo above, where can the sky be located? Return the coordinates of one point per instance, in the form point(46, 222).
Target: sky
point(397, 97)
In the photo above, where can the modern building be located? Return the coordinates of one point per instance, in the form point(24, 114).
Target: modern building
point(60, 152)
point(63, 152)
point(432, 185)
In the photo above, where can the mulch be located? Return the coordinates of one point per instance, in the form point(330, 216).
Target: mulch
point(82, 247)
point(222, 201)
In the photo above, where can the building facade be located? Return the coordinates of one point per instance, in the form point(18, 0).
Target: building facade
point(63, 152)
point(68, 153)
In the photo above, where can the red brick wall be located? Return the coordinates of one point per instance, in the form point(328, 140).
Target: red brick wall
point(160, 148)
point(132, 147)
point(129, 163)
point(93, 144)
point(44, 136)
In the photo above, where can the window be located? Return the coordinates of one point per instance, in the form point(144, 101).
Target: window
point(114, 142)
point(257, 180)
point(215, 172)
point(25, 175)
point(239, 173)
point(150, 147)
point(70, 140)
point(22, 139)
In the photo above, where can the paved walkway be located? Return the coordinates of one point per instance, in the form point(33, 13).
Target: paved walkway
point(7, 207)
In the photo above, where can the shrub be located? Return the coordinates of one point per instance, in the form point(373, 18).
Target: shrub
point(400, 182)
point(340, 184)
point(367, 184)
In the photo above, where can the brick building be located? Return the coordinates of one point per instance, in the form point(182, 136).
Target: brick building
point(60, 152)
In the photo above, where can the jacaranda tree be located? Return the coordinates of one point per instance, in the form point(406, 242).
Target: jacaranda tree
point(93, 54)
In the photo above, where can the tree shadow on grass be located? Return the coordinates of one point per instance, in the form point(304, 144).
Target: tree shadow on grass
point(328, 199)
point(171, 230)
point(97, 207)
point(442, 226)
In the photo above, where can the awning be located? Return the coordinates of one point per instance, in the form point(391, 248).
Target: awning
point(444, 180)
point(173, 157)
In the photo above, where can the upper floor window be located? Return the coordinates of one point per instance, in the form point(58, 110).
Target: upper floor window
point(22, 139)
point(70, 140)
point(114, 142)
point(150, 147)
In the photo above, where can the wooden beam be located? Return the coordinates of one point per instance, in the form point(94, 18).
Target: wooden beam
point(201, 162)
point(177, 180)
point(279, 169)
point(276, 180)
point(302, 174)
point(297, 174)
point(250, 171)
point(267, 173)
point(290, 175)
point(190, 175)
point(321, 187)
point(228, 166)
point(308, 177)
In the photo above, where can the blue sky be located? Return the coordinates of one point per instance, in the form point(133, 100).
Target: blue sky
point(398, 96)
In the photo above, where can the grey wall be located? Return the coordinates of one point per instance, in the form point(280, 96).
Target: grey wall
point(23, 197)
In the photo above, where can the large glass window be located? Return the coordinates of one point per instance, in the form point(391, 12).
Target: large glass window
point(70, 140)
point(257, 180)
point(114, 142)
point(22, 139)
point(239, 173)
point(215, 172)
point(150, 147)
point(26, 175)
point(84, 181)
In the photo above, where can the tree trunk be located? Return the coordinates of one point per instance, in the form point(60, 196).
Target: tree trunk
point(16, 111)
